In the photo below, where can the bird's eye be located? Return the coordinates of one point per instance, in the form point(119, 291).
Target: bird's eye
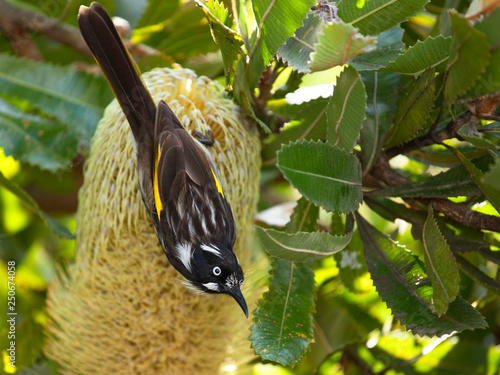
point(217, 271)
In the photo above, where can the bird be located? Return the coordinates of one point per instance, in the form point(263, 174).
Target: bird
point(178, 179)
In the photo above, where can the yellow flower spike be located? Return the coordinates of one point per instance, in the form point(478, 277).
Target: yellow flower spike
point(121, 309)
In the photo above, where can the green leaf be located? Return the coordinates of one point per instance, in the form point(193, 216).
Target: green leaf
point(283, 320)
point(75, 98)
point(277, 21)
point(337, 44)
point(489, 81)
point(490, 190)
point(30, 203)
point(477, 275)
point(402, 283)
point(301, 246)
point(324, 174)
point(374, 16)
point(414, 108)
point(492, 177)
point(304, 217)
point(469, 56)
point(430, 53)
point(460, 237)
point(228, 40)
point(309, 123)
point(346, 110)
point(297, 49)
point(36, 140)
point(157, 12)
point(477, 139)
point(382, 91)
point(440, 265)
point(453, 183)
point(387, 49)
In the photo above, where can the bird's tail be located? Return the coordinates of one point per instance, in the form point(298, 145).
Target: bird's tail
point(117, 65)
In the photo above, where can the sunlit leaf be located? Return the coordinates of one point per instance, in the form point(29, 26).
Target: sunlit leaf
point(324, 174)
point(346, 110)
point(277, 21)
point(387, 49)
point(337, 44)
point(430, 53)
point(228, 40)
point(374, 16)
point(440, 265)
point(297, 49)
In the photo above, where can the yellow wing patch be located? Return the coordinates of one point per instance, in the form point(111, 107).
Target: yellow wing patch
point(217, 183)
point(158, 204)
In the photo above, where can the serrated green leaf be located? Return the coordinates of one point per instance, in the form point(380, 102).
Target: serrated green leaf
point(440, 265)
point(458, 236)
point(382, 91)
point(477, 275)
point(374, 16)
point(491, 191)
point(297, 49)
point(75, 98)
point(36, 140)
point(301, 246)
point(453, 183)
point(469, 56)
point(475, 138)
point(414, 107)
point(337, 44)
point(388, 47)
point(228, 40)
point(324, 174)
point(402, 283)
point(489, 81)
point(430, 53)
point(309, 123)
point(304, 217)
point(346, 110)
point(277, 21)
point(283, 321)
point(30, 203)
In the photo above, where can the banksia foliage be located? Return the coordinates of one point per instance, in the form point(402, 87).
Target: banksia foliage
point(121, 309)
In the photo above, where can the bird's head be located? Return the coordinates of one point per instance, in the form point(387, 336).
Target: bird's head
point(216, 269)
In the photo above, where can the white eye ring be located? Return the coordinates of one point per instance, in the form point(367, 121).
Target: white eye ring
point(217, 271)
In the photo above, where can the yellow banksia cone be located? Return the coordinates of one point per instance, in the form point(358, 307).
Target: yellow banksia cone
point(121, 309)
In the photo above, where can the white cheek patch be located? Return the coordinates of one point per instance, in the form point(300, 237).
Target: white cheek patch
point(184, 253)
point(212, 249)
point(211, 286)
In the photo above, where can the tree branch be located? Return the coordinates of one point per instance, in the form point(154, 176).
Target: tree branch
point(458, 212)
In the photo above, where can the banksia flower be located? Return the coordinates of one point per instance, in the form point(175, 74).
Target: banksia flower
point(121, 309)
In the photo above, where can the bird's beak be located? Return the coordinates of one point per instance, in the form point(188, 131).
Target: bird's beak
point(238, 296)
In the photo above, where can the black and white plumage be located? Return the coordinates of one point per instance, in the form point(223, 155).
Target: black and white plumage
point(178, 179)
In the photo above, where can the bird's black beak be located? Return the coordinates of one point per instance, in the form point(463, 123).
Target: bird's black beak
point(238, 296)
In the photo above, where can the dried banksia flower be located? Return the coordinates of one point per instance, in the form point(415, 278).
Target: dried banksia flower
point(121, 309)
